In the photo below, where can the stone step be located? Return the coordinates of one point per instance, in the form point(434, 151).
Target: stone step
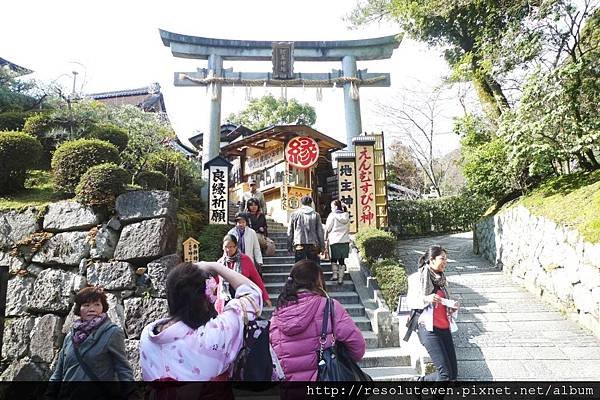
point(395, 374)
point(288, 267)
point(355, 310)
point(279, 259)
point(347, 286)
point(275, 264)
point(342, 297)
point(281, 277)
point(385, 357)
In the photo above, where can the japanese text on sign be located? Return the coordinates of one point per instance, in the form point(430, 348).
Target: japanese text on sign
point(365, 181)
point(302, 152)
point(347, 189)
point(218, 195)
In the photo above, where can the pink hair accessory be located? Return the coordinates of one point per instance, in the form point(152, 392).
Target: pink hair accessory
point(211, 289)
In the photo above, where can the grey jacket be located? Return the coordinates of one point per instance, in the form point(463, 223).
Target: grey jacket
point(103, 351)
point(305, 228)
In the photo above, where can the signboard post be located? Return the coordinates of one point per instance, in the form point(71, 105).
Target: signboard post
point(218, 190)
point(346, 170)
point(365, 182)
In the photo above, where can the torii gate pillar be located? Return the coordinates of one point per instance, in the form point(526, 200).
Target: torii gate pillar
point(351, 105)
point(211, 139)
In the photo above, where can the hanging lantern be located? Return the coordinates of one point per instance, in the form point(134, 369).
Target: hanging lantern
point(319, 94)
point(248, 94)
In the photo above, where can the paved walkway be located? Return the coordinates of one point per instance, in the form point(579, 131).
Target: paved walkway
point(505, 332)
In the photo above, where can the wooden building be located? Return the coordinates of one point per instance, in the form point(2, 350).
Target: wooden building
point(287, 162)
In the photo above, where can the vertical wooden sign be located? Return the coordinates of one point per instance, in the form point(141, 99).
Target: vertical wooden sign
point(346, 172)
point(191, 250)
point(218, 190)
point(365, 182)
point(380, 182)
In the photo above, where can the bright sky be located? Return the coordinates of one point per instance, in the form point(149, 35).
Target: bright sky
point(115, 45)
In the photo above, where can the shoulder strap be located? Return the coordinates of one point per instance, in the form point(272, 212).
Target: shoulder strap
point(325, 321)
point(331, 307)
point(86, 368)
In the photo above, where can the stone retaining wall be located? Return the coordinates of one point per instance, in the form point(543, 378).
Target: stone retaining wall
point(551, 261)
point(52, 253)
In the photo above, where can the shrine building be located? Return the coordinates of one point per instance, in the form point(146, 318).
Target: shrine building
point(266, 155)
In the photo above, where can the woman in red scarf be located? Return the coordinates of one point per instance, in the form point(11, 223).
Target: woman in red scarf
point(234, 259)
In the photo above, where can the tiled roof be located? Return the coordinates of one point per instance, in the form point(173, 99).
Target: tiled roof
point(119, 93)
point(14, 67)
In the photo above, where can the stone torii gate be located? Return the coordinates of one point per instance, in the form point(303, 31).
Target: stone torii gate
point(283, 54)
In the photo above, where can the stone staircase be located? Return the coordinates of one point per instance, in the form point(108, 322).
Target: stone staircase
point(392, 363)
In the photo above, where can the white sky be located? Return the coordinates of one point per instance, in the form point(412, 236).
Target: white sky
point(115, 45)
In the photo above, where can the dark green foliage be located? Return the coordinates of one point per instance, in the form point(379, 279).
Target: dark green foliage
point(211, 241)
point(374, 243)
point(12, 120)
point(436, 216)
point(152, 180)
point(101, 184)
point(18, 153)
point(189, 222)
point(72, 159)
point(183, 176)
point(110, 133)
point(392, 280)
point(268, 110)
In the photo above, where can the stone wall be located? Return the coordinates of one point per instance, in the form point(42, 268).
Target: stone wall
point(552, 261)
point(54, 252)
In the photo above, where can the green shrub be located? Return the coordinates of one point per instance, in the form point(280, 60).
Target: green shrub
point(392, 280)
point(374, 243)
point(436, 216)
point(180, 172)
point(39, 123)
point(18, 153)
point(73, 158)
point(12, 120)
point(152, 180)
point(211, 241)
point(189, 222)
point(110, 133)
point(101, 184)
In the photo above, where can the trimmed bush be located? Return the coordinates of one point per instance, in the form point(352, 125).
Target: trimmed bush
point(374, 243)
point(112, 134)
point(392, 280)
point(436, 216)
point(152, 180)
point(211, 241)
point(18, 153)
point(101, 184)
point(39, 123)
point(12, 120)
point(72, 159)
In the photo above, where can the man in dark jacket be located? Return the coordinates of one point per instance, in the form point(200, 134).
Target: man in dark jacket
point(305, 233)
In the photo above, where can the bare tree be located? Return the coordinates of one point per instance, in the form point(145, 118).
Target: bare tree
point(417, 117)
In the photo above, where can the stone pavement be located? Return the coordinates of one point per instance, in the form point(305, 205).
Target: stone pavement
point(505, 332)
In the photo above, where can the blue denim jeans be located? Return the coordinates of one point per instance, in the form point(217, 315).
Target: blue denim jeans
point(440, 346)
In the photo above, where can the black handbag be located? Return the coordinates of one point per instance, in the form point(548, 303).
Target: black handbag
point(334, 364)
point(412, 323)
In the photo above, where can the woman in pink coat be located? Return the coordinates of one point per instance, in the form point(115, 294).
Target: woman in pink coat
point(296, 324)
